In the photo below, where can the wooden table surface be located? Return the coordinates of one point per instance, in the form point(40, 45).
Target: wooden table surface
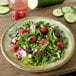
point(6, 69)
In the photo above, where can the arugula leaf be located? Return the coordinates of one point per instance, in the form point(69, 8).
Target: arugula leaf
point(54, 37)
point(43, 47)
point(46, 25)
point(26, 25)
point(42, 22)
point(12, 35)
point(44, 60)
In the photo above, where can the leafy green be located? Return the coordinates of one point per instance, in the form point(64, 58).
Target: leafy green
point(26, 60)
point(42, 22)
point(44, 60)
point(43, 47)
point(49, 49)
point(26, 25)
point(12, 35)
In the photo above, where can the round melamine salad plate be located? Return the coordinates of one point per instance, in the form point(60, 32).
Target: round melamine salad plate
point(51, 43)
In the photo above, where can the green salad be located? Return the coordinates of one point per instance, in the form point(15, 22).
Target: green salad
point(38, 43)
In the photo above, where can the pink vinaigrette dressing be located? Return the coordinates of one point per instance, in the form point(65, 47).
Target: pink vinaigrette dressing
point(19, 5)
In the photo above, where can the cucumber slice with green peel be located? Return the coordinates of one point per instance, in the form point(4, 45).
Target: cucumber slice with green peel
point(3, 3)
point(32, 4)
point(4, 10)
point(70, 17)
point(57, 12)
point(74, 8)
point(67, 9)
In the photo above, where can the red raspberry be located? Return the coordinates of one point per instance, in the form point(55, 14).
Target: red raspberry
point(39, 52)
point(22, 14)
point(16, 12)
point(14, 48)
point(44, 30)
point(59, 44)
point(38, 25)
point(32, 39)
point(15, 16)
point(42, 42)
point(13, 40)
point(21, 31)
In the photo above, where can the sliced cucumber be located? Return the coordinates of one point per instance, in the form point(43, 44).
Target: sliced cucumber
point(32, 4)
point(67, 9)
point(74, 8)
point(4, 10)
point(42, 3)
point(3, 3)
point(57, 12)
point(70, 17)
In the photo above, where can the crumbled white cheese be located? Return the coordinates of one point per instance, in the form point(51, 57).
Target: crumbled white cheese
point(30, 55)
point(24, 46)
point(53, 58)
point(14, 40)
point(58, 55)
point(52, 26)
point(41, 25)
point(31, 45)
point(46, 36)
point(32, 49)
point(35, 50)
point(17, 31)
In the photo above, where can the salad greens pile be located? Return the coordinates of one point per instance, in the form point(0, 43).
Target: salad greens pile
point(44, 44)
